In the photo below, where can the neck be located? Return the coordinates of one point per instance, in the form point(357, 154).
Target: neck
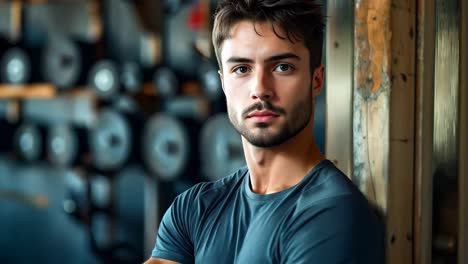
point(280, 167)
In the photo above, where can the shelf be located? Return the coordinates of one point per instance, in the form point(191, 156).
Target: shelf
point(39, 90)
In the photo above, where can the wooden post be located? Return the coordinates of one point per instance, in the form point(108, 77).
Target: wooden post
point(401, 161)
point(372, 99)
point(383, 125)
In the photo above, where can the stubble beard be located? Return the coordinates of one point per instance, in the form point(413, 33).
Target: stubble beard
point(296, 120)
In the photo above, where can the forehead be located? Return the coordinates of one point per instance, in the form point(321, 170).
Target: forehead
point(257, 40)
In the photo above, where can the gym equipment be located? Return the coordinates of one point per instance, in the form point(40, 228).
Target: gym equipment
point(76, 109)
point(179, 52)
point(103, 79)
point(15, 66)
point(165, 82)
point(110, 140)
point(62, 145)
point(210, 81)
point(188, 107)
point(100, 192)
point(61, 62)
point(165, 147)
point(131, 77)
point(173, 6)
point(129, 37)
point(28, 142)
point(117, 215)
point(10, 20)
point(220, 148)
point(77, 19)
point(76, 202)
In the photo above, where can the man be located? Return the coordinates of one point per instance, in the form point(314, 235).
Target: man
point(290, 204)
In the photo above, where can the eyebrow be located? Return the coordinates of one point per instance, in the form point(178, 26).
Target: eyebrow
point(277, 57)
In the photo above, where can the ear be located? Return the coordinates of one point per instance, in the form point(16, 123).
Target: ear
point(220, 73)
point(318, 79)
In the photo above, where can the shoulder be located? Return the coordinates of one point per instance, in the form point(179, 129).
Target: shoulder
point(326, 184)
point(328, 197)
point(207, 192)
point(330, 205)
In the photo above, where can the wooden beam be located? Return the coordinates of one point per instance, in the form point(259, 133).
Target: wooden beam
point(402, 104)
point(384, 103)
point(372, 99)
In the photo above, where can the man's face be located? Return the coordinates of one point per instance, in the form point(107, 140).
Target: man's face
point(268, 85)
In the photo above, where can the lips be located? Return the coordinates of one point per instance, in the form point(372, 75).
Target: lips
point(262, 114)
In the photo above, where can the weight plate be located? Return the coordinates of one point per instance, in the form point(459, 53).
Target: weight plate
point(131, 78)
point(210, 81)
point(61, 62)
point(15, 66)
point(76, 200)
point(103, 79)
point(110, 140)
point(62, 145)
point(220, 148)
point(28, 142)
point(165, 82)
point(165, 146)
point(100, 191)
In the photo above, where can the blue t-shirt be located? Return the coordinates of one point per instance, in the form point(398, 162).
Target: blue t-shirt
point(324, 219)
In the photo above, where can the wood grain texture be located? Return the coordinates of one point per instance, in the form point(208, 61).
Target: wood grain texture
point(402, 117)
point(372, 99)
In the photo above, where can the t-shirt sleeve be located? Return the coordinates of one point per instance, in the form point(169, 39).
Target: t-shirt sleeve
point(174, 240)
point(335, 231)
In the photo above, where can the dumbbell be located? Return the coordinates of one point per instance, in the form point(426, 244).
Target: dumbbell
point(15, 66)
point(103, 79)
point(220, 148)
point(165, 146)
point(29, 142)
point(114, 139)
point(131, 77)
point(65, 144)
point(165, 82)
point(64, 62)
point(210, 81)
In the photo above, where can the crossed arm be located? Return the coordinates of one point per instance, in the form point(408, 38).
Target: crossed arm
point(159, 261)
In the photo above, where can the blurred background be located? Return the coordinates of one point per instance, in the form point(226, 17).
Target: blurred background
point(108, 110)
point(111, 108)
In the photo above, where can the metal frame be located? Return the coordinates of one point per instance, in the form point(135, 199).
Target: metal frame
point(463, 138)
point(339, 83)
point(446, 134)
point(424, 133)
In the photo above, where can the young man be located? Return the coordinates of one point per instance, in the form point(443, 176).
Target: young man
point(290, 204)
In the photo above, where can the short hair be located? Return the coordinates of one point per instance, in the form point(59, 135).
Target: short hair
point(301, 20)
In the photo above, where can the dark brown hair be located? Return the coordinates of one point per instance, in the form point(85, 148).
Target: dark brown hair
point(301, 20)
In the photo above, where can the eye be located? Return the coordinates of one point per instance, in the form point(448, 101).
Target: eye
point(283, 67)
point(241, 70)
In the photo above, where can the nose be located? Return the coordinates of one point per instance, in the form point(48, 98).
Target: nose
point(261, 87)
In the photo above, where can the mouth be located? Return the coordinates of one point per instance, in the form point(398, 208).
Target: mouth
point(262, 116)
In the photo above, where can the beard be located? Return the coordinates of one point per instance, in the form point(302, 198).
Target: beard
point(296, 120)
